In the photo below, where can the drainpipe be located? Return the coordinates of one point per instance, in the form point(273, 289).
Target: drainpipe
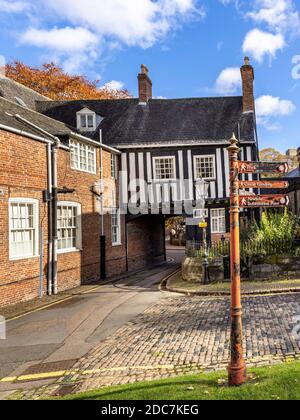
point(102, 235)
point(54, 218)
point(50, 221)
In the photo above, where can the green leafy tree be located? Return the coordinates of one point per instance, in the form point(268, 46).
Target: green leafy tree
point(177, 225)
point(272, 155)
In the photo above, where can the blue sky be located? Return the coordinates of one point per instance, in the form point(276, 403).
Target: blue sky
point(192, 47)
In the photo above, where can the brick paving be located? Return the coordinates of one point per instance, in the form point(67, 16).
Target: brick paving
point(182, 335)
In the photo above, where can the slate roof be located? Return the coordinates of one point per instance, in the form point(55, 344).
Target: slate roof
point(294, 174)
point(8, 110)
point(9, 89)
point(161, 121)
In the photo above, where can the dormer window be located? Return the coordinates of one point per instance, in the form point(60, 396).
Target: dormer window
point(86, 120)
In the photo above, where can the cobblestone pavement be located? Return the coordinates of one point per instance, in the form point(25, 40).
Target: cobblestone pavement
point(182, 335)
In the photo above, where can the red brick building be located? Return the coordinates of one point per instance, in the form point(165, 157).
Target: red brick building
point(47, 169)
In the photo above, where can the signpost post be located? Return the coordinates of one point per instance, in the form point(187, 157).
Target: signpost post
point(237, 366)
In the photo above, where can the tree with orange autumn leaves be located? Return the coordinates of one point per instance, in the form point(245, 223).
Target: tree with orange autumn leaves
point(51, 81)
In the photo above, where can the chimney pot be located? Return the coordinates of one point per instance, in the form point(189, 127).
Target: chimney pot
point(247, 61)
point(144, 69)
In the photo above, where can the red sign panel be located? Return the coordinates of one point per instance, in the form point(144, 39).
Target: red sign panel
point(264, 184)
point(264, 201)
point(261, 167)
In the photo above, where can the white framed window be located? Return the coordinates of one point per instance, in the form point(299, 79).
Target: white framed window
point(218, 221)
point(116, 227)
point(205, 167)
point(83, 157)
point(23, 228)
point(86, 120)
point(69, 226)
point(164, 168)
point(200, 214)
point(114, 166)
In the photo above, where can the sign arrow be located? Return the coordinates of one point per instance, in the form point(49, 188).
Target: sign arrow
point(264, 184)
point(261, 167)
point(264, 201)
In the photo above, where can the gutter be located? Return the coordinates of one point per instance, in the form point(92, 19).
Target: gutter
point(95, 143)
point(168, 145)
point(25, 134)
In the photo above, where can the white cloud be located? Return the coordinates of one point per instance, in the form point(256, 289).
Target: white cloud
point(131, 22)
point(7, 6)
point(114, 85)
point(114, 23)
point(269, 108)
point(279, 15)
point(65, 39)
point(260, 44)
point(229, 81)
point(275, 20)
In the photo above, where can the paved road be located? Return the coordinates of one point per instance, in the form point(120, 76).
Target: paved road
point(67, 331)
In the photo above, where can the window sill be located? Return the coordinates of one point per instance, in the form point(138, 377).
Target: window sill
point(83, 171)
point(218, 233)
point(23, 258)
point(68, 251)
point(117, 244)
point(156, 181)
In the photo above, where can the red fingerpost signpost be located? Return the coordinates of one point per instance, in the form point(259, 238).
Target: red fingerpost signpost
point(237, 368)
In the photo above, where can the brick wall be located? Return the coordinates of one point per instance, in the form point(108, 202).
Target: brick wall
point(145, 241)
point(23, 173)
point(23, 169)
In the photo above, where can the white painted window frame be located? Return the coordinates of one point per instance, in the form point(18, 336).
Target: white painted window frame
point(196, 213)
point(114, 166)
point(116, 213)
point(86, 113)
point(204, 157)
point(35, 204)
point(159, 158)
point(212, 217)
point(76, 144)
point(79, 227)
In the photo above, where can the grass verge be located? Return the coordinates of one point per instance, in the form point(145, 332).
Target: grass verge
point(280, 382)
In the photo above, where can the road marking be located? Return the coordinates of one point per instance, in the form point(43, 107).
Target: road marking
point(59, 374)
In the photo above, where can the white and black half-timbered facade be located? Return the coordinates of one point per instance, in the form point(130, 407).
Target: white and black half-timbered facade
point(166, 145)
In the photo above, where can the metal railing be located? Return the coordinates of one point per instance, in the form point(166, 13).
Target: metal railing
point(249, 248)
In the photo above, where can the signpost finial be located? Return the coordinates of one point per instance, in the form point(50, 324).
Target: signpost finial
point(233, 148)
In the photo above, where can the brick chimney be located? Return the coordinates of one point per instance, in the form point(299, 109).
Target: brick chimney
point(247, 73)
point(145, 85)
